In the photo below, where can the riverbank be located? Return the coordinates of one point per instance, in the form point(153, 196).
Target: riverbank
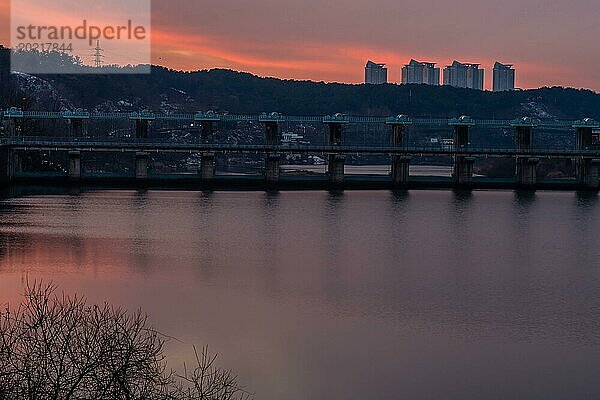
point(303, 182)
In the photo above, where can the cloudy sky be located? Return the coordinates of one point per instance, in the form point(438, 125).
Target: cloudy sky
point(550, 42)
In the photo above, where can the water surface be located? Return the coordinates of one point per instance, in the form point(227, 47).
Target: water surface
point(316, 295)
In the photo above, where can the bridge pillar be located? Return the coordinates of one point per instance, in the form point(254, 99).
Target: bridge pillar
point(461, 136)
point(207, 166)
point(527, 171)
point(75, 165)
point(15, 127)
point(5, 164)
point(335, 134)
point(77, 128)
point(526, 167)
point(588, 173)
point(336, 168)
point(587, 167)
point(524, 137)
point(207, 124)
point(272, 160)
point(584, 137)
point(141, 165)
point(271, 122)
point(272, 133)
point(16, 163)
point(400, 164)
point(336, 164)
point(335, 124)
point(398, 135)
point(77, 121)
point(14, 117)
point(206, 132)
point(142, 128)
point(399, 125)
point(463, 165)
point(463, 170)
point(461, 128)
point(400, 170)
point(272, 170)
point(142, 123)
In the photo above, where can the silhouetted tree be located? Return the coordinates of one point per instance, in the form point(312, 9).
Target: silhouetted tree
point(207, 381)
point(59, 347)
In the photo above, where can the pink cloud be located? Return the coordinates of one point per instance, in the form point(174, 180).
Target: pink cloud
point(332, 41)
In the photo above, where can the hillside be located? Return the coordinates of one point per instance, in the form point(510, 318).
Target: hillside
point(228, 91)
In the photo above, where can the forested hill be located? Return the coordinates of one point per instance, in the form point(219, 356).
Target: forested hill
point(227, 91)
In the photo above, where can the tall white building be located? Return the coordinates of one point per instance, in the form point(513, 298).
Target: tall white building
point(464, 75)
point(421, 73)
point(375, 73)
point(504, 77)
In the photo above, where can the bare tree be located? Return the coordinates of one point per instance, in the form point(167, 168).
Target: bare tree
point(208, 381)
point(59, 347)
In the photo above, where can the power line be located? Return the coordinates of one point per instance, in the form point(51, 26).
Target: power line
point(98, 56)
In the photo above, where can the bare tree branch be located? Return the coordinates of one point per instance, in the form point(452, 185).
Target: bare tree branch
point(59, 347)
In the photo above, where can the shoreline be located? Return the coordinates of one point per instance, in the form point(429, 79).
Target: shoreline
point(287, 183)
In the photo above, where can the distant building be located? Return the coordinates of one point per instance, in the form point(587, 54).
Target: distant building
point(464, 75)
point(421, 73)
point(504, 77)
point(375, 73)
point(4, 65)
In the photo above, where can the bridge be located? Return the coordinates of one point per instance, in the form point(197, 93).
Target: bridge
point(586, 152)
point(211, 116)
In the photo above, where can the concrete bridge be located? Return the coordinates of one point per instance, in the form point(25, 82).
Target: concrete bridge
point(586, 152)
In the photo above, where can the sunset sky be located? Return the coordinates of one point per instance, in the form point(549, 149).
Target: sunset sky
point(550, 42)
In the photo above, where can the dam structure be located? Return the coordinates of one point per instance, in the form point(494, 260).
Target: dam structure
point(64, 144)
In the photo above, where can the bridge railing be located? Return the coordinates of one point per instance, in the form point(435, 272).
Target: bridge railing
point(157, 145)
point(190, 117)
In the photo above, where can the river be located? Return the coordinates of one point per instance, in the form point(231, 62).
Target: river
point(355, 295)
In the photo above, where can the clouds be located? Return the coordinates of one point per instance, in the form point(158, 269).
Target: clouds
point(550, 42)
point(330, 40)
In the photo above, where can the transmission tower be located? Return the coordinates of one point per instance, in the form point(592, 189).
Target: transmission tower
point(98, 56)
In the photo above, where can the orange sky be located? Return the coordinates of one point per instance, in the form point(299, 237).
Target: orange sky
point(331, 40)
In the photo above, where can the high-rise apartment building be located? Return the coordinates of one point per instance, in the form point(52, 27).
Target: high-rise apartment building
point(464, 75)
point(421, 72)
point(375, 73)
point(504, 77)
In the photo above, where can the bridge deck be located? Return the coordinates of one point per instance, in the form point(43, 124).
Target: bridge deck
point(188, 117)
point(150, 146)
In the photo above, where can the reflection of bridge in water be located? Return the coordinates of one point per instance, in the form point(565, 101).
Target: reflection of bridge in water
point(585, 153)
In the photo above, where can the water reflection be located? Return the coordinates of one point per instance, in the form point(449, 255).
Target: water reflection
point(524, 198)
point(586, 199)
point(400, 196)
point(273, 231)
point(335, 251)
point(393, 294)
